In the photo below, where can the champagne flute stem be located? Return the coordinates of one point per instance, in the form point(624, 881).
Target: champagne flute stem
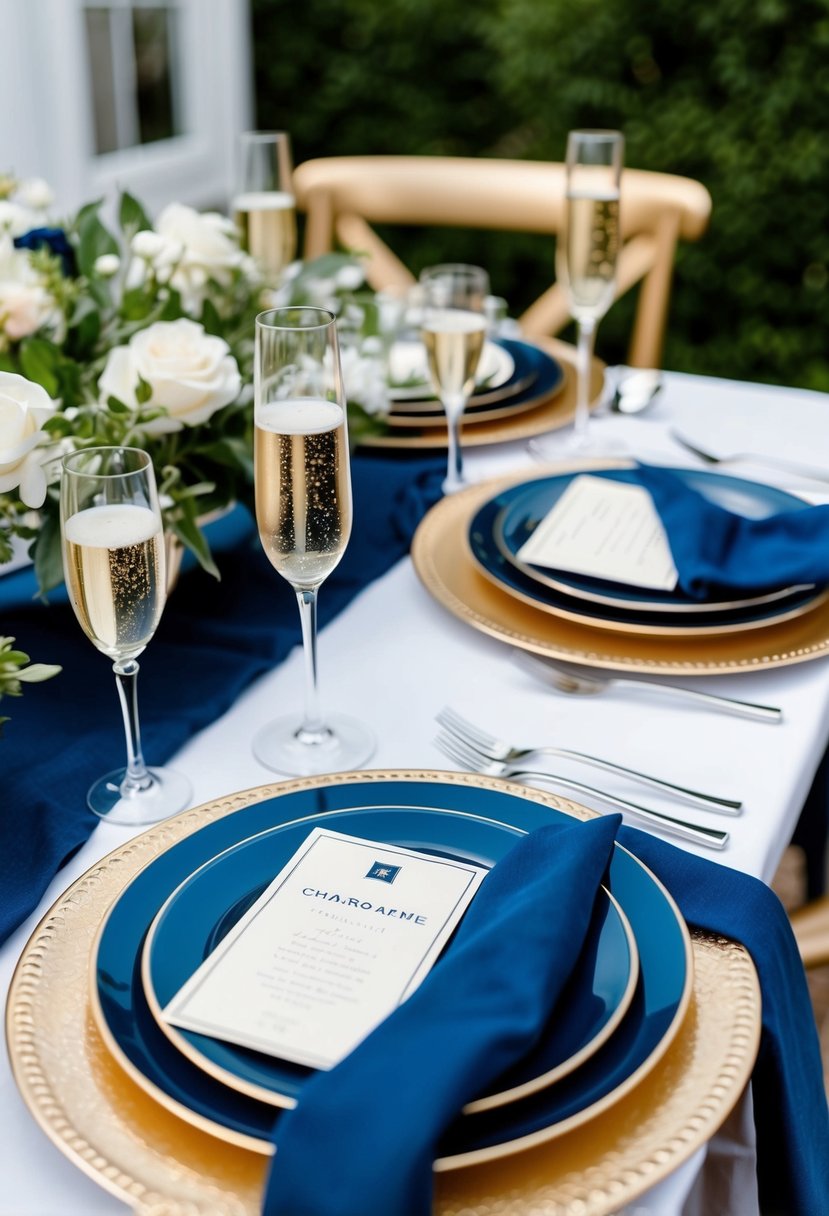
point(454, 464)
point(584, 359)
point(312, 730)
point(138, 776)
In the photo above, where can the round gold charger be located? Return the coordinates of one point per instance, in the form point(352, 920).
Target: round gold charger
point(552, 412)
point(444, 563)
point(161, 1166)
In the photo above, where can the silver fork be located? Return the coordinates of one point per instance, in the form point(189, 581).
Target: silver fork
point(773, 462)
point(492, 748)
point(472, 761)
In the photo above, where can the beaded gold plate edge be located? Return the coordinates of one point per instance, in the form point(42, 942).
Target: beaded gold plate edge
point(445, 566)
point(161, 1166)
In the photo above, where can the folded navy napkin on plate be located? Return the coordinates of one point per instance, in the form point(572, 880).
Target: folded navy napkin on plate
point(716, 550)
point(214, 639)
point(362, 1139)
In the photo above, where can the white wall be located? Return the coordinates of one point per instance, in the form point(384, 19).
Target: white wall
point(46, 124)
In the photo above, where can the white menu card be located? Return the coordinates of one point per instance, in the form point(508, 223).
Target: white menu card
point(343, 934)
point(604, 529)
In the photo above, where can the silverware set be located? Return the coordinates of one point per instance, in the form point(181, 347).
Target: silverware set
point(586, 681)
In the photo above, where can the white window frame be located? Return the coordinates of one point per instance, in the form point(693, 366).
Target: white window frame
point(48, 125)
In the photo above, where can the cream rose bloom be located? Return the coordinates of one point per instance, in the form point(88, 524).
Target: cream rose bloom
point(25, 304)
point(190, 372)
point(24, 407)
point(187, 249)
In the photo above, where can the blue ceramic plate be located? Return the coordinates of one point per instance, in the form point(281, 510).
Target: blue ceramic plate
point(468, 821)
point(501, 526)
point(535, 377)
point(199, 913)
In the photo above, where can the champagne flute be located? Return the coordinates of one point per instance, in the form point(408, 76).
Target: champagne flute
point(114, 565)
point(586, 257)
point(453, 329)
point(303, 512)
point(264, 208)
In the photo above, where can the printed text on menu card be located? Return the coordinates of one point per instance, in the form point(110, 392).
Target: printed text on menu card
point(604, 529)
point(343, 934)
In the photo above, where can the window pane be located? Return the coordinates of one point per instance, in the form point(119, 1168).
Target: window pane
point(154, 38)
point(99, 44)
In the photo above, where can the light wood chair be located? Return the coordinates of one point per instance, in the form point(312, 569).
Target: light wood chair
point(344, 195)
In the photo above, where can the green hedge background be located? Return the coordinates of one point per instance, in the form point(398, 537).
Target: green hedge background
point(734, 93)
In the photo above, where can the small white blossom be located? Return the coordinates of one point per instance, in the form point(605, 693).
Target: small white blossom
point(349, 278)
point(36, 193)
point(107, 265)
point(25, 304)
point(15, 219)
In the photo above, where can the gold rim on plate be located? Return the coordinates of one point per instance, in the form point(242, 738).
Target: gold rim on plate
point(446, 568)
point(154, 1162)
point(555, 410)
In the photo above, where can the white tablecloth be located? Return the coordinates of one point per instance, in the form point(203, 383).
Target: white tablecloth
point(394, 657)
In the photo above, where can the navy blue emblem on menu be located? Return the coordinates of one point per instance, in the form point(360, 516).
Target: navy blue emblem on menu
point(383, 872)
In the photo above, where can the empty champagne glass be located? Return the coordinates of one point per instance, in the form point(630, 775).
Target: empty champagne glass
point(264, 208)
point(586, 257)
point(303, 512)
point(114, 565)
point(453, 329)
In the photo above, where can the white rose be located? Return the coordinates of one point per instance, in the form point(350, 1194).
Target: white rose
point(202, 245)
point(24, 407)
point(25, 304)
point(191, 373)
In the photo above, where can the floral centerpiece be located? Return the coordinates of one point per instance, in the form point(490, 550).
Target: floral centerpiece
point(139, 333)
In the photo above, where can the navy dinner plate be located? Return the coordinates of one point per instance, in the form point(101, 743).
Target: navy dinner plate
point(475, 823)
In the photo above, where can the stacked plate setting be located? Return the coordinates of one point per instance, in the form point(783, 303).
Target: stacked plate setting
point(631, 1068)
point(504, 523)
point(521, 390)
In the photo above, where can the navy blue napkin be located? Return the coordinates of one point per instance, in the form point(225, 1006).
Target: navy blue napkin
point(715, 550)
point(341, 1153)
point(362, 1140)
point(790, 1108)
point(214, 640)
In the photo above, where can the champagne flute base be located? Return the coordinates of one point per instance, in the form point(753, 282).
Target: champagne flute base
point(346, 744)
point(168, 793)
point(569, 446)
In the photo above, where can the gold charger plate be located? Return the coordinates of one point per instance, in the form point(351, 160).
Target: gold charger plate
point(446, 567)
point(157, 1164)
point(553, 411)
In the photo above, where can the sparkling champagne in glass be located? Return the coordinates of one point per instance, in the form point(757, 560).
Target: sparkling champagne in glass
point(264, 208)
point(114, 565)
point(303, 512)
point(453, 330)
point(587, 254)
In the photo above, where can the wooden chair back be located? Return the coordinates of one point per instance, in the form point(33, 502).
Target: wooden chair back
point(343, 196)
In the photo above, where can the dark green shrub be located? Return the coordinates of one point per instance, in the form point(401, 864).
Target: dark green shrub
point(733, 93)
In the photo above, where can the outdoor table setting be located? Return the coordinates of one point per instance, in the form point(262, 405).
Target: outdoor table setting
point(622, 1007)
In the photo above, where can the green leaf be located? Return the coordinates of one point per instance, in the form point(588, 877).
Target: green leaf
point(143, 391)
point(191, 535)
point(85, 325)
point(46, 553)
point(211, 320)
point(35, 672)
point(131, 215)
point(93, 239)
point(115, 406)
point(39, 360)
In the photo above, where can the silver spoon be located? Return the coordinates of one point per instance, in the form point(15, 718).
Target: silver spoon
point(636, 391)
point(569, 678)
